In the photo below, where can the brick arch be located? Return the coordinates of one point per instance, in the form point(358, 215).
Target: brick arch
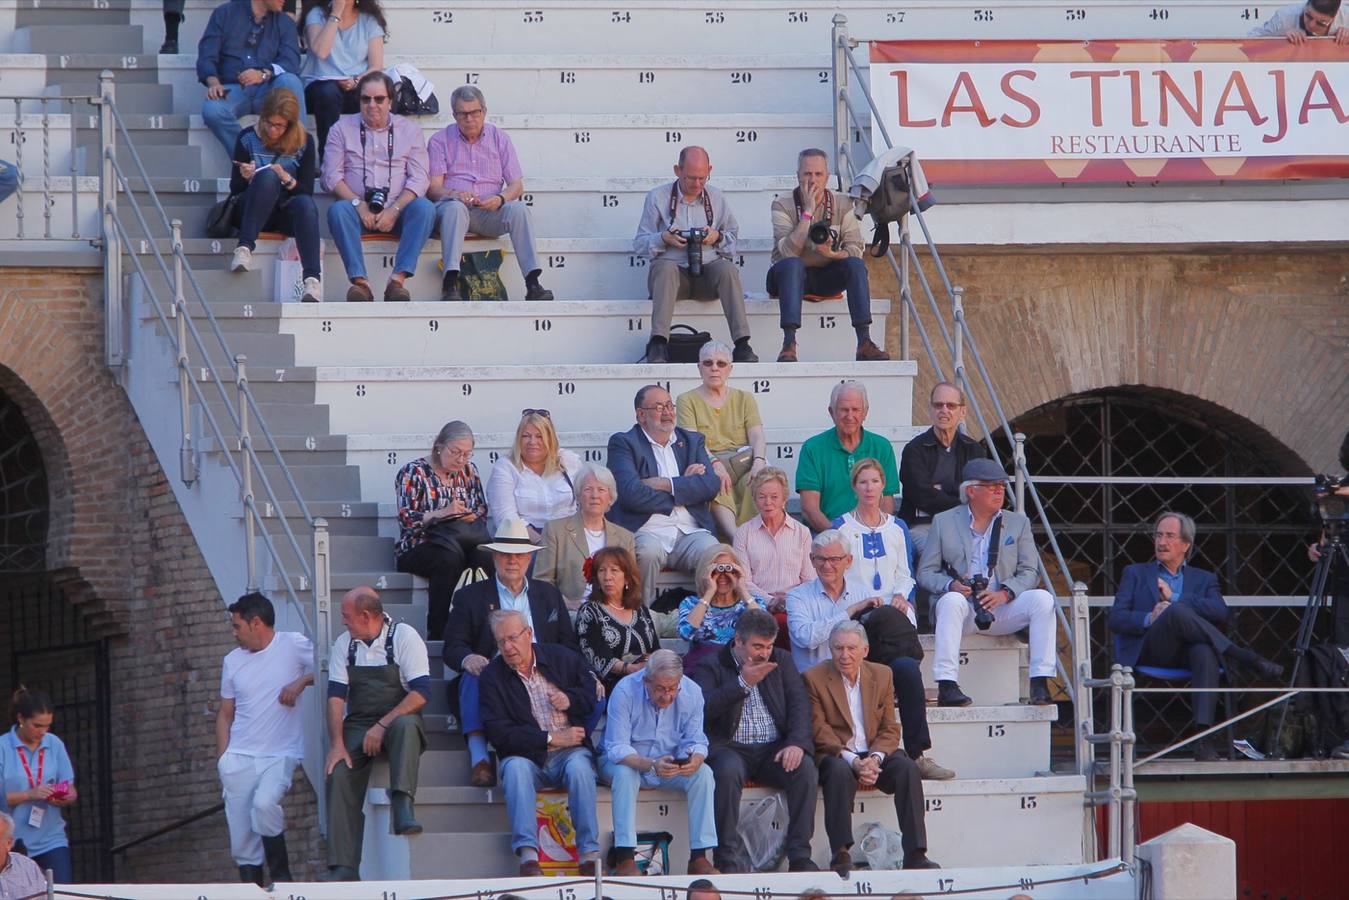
point(1260, 334)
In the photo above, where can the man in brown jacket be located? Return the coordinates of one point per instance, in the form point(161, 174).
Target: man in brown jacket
point(856, 738)
point(817, 251)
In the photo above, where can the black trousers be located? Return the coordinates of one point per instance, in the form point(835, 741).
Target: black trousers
point(911, 698)
point(732, 764)
point(327, 101)
point(1181, 638)
point(899, 776)
point(442, 566)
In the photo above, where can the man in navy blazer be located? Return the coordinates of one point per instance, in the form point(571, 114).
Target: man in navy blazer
point(469, 643)
point(665, 482)
point(1170, 614)
point(537, 701)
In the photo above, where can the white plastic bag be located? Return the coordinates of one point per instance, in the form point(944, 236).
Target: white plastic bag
point(763, 829)
point(288, 283)
point(881, 847)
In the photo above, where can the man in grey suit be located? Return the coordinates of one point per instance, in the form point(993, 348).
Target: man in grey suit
point(979, 539)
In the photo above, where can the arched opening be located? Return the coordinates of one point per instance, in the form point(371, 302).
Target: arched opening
point(24, 498)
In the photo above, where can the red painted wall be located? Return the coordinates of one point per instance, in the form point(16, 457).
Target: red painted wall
point(1286, 849)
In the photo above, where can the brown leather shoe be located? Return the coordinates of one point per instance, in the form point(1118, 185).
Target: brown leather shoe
point(702, 866)
point(627, 869)
point(397, 292)
point(788, 353)
point(360, 292)
point(867, 351)
point(587, 868)
point(530, 868)
point(483, 776)
point(841, 863)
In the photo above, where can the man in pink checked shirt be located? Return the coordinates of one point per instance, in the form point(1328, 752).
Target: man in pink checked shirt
point(477, 183)
point(375, 165)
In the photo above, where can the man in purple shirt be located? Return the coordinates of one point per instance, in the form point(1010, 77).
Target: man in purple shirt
point(476, 182)
point(375, 166)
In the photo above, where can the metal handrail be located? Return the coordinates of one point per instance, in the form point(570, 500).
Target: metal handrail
point(958, 339)
point(20, 138)
point(172, 826)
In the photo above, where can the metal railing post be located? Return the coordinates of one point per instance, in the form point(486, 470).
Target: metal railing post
point(839, 61)
point(905, 298)
point(1128, 795)
point(19, 139)
point(187, 454)
point(114, 341)
point(958, 354)
point(1019, 470)
point(1086, 753)
point(323, 641)
point(74, 176)
point(47, 170)
point(246, 468)
point(1116, 757)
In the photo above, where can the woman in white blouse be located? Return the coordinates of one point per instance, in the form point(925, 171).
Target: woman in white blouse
point(536, 481)
point(882, 553)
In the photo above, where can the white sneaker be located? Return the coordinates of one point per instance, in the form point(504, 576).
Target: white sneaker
point(312, 291)
point(242, 261)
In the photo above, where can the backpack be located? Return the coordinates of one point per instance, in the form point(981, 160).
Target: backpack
point(1326, 666)
point(889, 202)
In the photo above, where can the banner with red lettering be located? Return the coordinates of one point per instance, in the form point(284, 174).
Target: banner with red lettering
point(1000, 112)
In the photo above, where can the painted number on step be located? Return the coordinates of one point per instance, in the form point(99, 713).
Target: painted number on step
point(620, 16)
point(346, 510)
point(932, 805)
point(861, 887)
point(673, 137)
point(527, 199)
point(997, 731)
point(964, 658)
point(310, 443)
point(566, 387)
point(1159, 14)
point(894, 18)
point(663, 385)
point(382, 582)
point(191, 185)
point(388, 895)
point(714, 18)
point(1250, 13)
point(1026, 884)
point(442, 17)
point(636, 262)
point(828, 321)
point(762, 386)
point(797, 16)
point(557, 262)
point(859, 806)
point(466, 389)
point(662, 809)
point(742, 77)
point(983, 15)
point(566, 894)
point(1028, 802)
point(763, 893)
point(533, 16)
point(393, 458)
point(946, 885)
point(130, 62)
point(668, 894)
point(593, 456)
point(248, 310)
point(1075, 15)
point(543, 324)
point(636, 324)
point(646, 77)
point(567, 77)
point(327, 326)
point(386, 262)
point(608, 201)
point(786, 452)
point(432, 325)
point(580, 137)
point(360, 390)
point(822, 76)
point(470, 78)
point(746, 137)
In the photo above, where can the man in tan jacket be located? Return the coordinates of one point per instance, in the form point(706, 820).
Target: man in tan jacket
point(820, 264)
point(852, 705)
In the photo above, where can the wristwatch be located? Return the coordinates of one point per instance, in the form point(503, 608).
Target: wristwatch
point(550, 739)
point(355, 201)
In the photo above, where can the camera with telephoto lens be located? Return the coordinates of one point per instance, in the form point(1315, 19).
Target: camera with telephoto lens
point(375, 198)
point(1327, 504)
point(695, 238)
point(977, 584)
point(821, 233)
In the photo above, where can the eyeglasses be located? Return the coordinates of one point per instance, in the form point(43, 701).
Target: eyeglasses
point(456, 454)
point(469, 113)
point(716, 363)
point(378, 101)
point(536, 412)
point(659, 407)
point(512, 638)
point(946, 404)
point(830, 560)
point(993, 488)
point(1168, 535)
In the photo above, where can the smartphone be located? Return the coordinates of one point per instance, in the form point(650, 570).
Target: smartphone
point(681, 761)
point(60, 791)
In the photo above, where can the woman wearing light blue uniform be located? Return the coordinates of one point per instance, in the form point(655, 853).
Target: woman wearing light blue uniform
point(39, 783)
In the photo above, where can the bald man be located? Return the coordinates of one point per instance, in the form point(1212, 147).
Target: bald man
point(670, 213)
point(379, 679)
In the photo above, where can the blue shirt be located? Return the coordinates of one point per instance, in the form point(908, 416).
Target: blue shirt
point(515, 602)
point(1175, 582)
point(350, 53)
point(637, 726)
point(234, 41)
point(56, 768)
point(812, 614)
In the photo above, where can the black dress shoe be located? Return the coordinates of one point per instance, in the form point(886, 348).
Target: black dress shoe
point(1205, 750)
point(806, 864)
point(1340, 752)
point(168, 48)
point(657, 351)
point(340, 873)
point(537, 291)
point(918, 860)
point(841, 863)
point(744, 353)
point(1039, 692)
point(1268, 669)
point(950, 694)
point(450, 291)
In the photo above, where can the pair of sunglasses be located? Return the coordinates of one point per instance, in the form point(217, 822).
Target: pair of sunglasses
point(536, 412)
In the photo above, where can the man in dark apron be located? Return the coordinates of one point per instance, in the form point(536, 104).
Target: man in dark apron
point(378, 681)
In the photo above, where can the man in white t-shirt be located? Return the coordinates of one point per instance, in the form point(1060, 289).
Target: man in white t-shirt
point(259, 734)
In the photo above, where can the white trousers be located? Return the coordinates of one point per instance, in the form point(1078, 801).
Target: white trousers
point(955, 617)
point(253, 789)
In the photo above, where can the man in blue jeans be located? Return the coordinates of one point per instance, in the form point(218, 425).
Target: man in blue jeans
point(803, 265)
point(536, 702)
point(375, 166)
point(249, 47)
point(9, 179)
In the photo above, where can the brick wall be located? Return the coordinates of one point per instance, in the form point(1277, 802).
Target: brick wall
point(1259, 332)
point(117, 530)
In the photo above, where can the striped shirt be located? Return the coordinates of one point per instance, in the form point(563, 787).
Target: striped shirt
point(777, 562)
point(539, 689)
point(483, 167)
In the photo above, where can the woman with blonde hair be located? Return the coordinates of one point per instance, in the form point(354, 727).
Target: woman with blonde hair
point(707, 619)
point(275, 163)
point(535, 482)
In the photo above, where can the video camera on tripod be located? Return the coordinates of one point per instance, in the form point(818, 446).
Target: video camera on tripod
point(1328, 504)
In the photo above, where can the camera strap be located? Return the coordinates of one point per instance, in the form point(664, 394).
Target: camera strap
point(674, 204)
point(365, 176)
point(994, 537)
point(828, 206)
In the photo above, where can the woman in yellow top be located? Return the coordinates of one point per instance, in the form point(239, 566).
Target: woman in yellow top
point(728, 419)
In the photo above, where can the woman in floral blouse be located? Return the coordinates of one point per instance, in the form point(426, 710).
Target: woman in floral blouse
point(614, 629)
point(442, 512)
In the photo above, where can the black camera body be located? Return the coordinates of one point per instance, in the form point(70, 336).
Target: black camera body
point(983, 619)
point(376, 198)
point(821, 233)
point(1332, 509)
point(695, 238)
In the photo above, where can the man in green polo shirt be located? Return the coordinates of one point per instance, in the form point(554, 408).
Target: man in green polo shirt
point(823, 473)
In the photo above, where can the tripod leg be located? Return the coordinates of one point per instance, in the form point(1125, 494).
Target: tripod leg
point(1315, 600)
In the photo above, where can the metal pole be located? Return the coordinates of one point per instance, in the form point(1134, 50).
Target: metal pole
point(187, 457)
point(18, 163)
point(246, 468)
point(905, 299)
point(323, 641)
point(958, 317)
point(839, 62)
point(1086, 753)
point(115, 351)
point(1019, 470)
point(1116, 707)
point(1128, 795)
point(46, 170)
point(74, 177)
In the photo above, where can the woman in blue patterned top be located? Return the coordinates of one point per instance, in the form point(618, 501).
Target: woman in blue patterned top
point(708, 620)
point(274, 168)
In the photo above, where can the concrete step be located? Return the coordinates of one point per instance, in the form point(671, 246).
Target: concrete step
point(582, 397)
point(1013, 821)
point(81, 38)
point(180, 161)
point(133, 98)
point(83, 68)
point(303, 419)
point(561, 332)
point(990, 667)
point(60, 12)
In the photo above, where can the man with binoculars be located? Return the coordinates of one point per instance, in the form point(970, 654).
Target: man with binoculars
point(817, 250)
point(980, 562)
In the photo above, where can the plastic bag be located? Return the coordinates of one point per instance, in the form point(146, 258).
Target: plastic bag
point(881, 847)
point(289, 274)
point(557, 837)
point(763, 829)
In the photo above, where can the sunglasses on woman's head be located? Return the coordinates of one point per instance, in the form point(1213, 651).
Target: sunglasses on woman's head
point(536, 412)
